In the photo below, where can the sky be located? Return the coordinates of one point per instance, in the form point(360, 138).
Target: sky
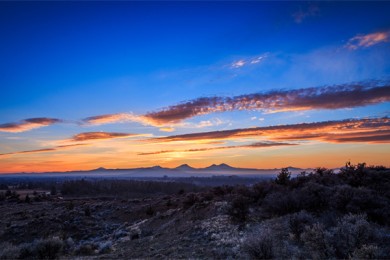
point(136, 84)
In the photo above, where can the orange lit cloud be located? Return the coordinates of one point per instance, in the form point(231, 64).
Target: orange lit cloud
point(367, 40)
point(60, 147)
point(350, 130)
point(121, 118)
point(329, 97)
point(254, 145)
point(167, 129)
point(332, 97)
point(28, 124)
point(99, 135)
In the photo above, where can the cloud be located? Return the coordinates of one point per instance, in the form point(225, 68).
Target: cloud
point(111, 118)
point(167, 129)
point(329, 97)
point(121, 118)
point(381, 136)
point(367, 40)
point(253, 145)
point(366, 130)
point(28, 124)
point(238, 64)
point(299, 16)
point(60, 147)
point(99, 135)
point(248, 61)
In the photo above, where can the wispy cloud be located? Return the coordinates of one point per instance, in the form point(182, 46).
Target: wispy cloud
point(238, 63)
point(367, 40)
point(167, 129)
point(122, 118)
point(330, 97)
point(302, 14)
point(28, 124)
point(248, 61)
point(253, 145)
point(351, 130)
point(99, 135)
point(56, 148)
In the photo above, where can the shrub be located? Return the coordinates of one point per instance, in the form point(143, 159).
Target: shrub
point(190, 200)
point(27, 199)
point(367, 252)
point(49, 248)
point(280, 203)
point(105, 247)
point(298, 222)
point(86, 249)
point(8, 251)
point(351, 233)
point(259, 244)
point(149, 210)
point(311, 197)
point(260, 190)
point(239, 209)
point(87, 211)
point(315, 242)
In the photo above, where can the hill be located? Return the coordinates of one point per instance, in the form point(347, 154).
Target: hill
point(319, 214)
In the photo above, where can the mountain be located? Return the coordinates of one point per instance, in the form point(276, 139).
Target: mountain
point(220, 167)
point(157, 171)
point(98, 169)
point(184, 167)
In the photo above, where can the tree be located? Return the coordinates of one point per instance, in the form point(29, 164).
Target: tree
point(283, 177)
point(27, 199)
point(53, 190)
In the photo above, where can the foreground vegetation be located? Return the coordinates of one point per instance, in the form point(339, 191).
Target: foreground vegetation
point(319, 214)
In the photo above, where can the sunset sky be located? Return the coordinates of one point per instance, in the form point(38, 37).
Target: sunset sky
point(137, 84)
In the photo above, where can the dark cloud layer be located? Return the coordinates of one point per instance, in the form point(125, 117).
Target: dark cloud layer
point(60, 147)
point(254, 145)
point(99, 135)
point(356, 130)
point(28, 124)
point(331, 97)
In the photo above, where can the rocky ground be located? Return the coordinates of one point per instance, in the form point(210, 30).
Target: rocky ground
point(180, 226)
point(318, 215)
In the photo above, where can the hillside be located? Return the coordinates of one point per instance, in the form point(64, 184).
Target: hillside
point(318, 214)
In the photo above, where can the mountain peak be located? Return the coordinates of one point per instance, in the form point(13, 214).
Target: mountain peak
point(184, 167)
point(100, 169)
point(222, 166)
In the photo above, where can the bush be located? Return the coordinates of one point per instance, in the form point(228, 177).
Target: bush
point(190, 200)
point(86, 249)
point(87, 211)
point(8, 251)
point(367, 252)
point(315, 242)
point(42, 249)
point(280, 203)
point(149, 211)
point(298, 222)
point(351, 233)
point(239, 209)
point(259, 244)
point(105, 247)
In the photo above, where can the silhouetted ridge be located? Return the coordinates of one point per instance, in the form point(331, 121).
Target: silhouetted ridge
point(184, 167)
point(222, 166)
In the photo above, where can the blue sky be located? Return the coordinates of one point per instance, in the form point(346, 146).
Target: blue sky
point(75, 60)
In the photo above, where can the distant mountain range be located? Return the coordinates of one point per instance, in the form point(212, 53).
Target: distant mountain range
point(157, 171)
